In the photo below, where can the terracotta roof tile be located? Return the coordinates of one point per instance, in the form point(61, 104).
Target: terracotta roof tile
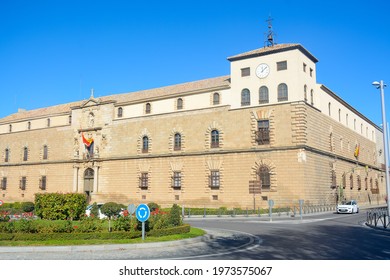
point(201, 85)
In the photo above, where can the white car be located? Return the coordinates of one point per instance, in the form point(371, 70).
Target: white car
point(99, 205)
point(348, 207)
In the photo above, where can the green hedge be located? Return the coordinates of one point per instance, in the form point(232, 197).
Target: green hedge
point(59, 206)
point(93, 235)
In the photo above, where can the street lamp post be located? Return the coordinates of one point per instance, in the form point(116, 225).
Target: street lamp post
point(380, 85)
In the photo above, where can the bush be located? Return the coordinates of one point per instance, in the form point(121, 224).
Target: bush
point(28, 207)
point(89, 225)
point(174, 217)
point(26, 226)
point(125, 224)
point(94, 211)
point(153, 206)
point(56, 206)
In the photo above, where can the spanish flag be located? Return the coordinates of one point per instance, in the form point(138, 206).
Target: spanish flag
point(87, 142)
point(357, 150)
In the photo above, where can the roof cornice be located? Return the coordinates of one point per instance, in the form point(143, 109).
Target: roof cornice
point(271, 50)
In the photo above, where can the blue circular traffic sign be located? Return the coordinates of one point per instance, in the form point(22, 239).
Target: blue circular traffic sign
point(142, 212)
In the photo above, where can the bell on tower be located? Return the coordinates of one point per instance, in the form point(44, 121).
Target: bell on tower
point(270, 42)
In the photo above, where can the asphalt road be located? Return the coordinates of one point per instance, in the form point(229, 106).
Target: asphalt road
point(315, 237)
point(320, 237)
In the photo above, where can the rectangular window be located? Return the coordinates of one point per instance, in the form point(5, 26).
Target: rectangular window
point(4, 183)
point(311, 72)
point(23, 183)
point(245, 72)
point(262, 133)
point(42, 183)
point(304, 67)
point(214, 179)
point(144, 181)
point(281, 65)
point(176, 180)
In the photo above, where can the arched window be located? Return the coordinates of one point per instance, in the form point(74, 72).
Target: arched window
point(282, 92)
point(265, 178)
point(145, 144)
point(346, 119)
point(10, 128)
point(305, 92)
point(148, 108)
point(179, 104)
point(359, 183)
point(245, 97)
point(339, 115)
point(214, 138)
point(177, 144)
point(312, 97)
point(263, 95)
point(120, 112)
point(351, 182)
point(70, 119)
point(29, 125)
point(329, 109)
point(48, 122)
point(25, 154)
point(6, 156)
point(45, 152)
point(216, 98)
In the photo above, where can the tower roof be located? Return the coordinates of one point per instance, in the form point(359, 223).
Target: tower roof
point(272, 49)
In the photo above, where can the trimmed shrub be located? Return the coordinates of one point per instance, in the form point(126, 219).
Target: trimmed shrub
point(153, 206)
point(111, 209)
point(28, 206)
point(57, 206)
point(89, 225)
point(126, 223)
point(174, 217)
point(26, 226)
point(95, 235)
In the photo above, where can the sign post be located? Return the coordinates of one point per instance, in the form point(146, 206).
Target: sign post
point(270, 204)
point(300, 207)
point(142, 213)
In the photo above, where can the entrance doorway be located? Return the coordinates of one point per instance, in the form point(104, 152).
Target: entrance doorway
point(88, 183)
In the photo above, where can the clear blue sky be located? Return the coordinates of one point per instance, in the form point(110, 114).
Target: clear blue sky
point(54, 52)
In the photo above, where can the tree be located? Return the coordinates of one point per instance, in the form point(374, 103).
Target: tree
point(111, 209)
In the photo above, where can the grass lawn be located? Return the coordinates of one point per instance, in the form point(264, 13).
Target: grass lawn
point(194, 232)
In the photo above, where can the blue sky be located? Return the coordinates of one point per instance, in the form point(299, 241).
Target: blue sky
point(54, 52)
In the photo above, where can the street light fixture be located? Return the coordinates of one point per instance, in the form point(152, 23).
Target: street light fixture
point(380, 85)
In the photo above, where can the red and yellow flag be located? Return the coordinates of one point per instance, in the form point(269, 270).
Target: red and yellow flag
point(87, 142)
point(357, 151)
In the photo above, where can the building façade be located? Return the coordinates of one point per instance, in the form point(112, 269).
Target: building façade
point(266, 131)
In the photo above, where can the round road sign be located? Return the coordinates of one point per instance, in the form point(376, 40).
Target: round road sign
point(142, 212)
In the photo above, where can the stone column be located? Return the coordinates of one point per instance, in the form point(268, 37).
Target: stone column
point(95, 179)
point(75, 178)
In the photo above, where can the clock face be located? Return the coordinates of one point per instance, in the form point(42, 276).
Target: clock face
point(262, 70)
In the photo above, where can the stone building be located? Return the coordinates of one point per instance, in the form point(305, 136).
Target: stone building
point(266, 131)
